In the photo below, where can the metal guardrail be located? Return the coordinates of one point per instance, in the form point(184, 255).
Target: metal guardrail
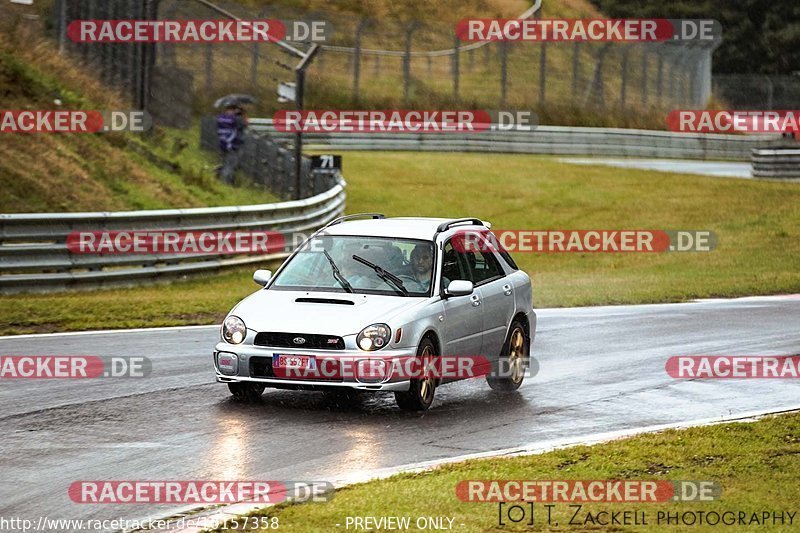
point(34, 256)
point(546, 140)
point(776, 162)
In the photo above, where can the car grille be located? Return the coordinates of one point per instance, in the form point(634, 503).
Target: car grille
point(261, 367)
point(313, 341)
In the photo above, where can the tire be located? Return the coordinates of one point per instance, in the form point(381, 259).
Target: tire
point(419, 396)
point(245, 391)
point(513, 360)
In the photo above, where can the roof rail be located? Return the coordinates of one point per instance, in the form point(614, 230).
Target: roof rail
point(374, 216)
point(444, 226)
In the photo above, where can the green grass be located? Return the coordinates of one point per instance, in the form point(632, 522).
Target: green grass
point(756, 464)
point(756, 222)
point(96, 172)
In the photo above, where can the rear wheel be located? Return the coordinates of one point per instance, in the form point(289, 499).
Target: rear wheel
point(419, 396)
point(246, 391)
point(510, 370)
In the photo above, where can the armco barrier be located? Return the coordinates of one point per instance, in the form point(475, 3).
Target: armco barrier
point(546, 140)
point(34, 256)
point(777, 162)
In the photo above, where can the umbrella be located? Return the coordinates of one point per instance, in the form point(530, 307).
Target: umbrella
point(234, 100)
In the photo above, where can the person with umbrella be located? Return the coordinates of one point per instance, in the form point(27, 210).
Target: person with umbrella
point(230, 132)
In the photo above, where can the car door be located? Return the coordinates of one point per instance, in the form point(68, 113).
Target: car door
point(497, 299)
point(463, 315)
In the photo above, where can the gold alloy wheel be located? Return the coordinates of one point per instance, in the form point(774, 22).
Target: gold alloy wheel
point(516, 355)
point(426, 384)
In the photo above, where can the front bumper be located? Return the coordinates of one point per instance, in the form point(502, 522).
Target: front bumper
point(253, 364)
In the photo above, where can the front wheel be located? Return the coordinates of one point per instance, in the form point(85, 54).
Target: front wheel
point(245, 391)
point(510, 370)
point(419, 396)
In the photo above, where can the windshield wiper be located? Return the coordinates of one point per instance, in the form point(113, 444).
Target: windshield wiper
point(337, 274)
point(384, 275)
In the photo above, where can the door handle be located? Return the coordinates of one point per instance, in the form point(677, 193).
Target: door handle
point(476, 300)
point(507, 289)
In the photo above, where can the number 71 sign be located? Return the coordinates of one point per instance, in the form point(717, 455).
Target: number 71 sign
point(326, 163)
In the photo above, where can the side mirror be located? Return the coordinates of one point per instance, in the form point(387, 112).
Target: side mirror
point(459, 287)
point(262, 277)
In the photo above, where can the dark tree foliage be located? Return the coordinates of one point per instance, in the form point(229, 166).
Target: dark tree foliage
point(759, 36)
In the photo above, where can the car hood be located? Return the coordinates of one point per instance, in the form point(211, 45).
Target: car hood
point(318, 312)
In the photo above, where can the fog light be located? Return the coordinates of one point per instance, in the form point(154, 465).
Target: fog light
point(227, 363)
point(371, 370)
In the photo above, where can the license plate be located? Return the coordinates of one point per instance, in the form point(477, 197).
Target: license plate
point(302, 362)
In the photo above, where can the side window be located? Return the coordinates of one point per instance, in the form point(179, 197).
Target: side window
point(453, 265)
point(484, 266)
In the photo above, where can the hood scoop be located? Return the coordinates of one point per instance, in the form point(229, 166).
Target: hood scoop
point(324, 301)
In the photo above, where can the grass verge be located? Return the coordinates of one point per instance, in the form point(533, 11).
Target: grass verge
point(756, 223)
point(756, 464)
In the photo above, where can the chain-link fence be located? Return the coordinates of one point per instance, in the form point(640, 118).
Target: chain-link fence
point(384, 63)
point(177, 83)
point(392, 64)
point(757, 92)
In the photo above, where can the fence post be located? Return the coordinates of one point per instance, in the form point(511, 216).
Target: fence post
point(300, 79)
point(357, 58)
point(660, 77)
point(543, 74)
point(503, 72)
point(597, 88)
point(456, 59)
point(209, 66)
point(644, 74)
point(671, 88)
point(145, 58)
point(770, 92)
point(576, 50)
point(62, 25)
point(407, 61)
point(256, 56)
point(624, 87)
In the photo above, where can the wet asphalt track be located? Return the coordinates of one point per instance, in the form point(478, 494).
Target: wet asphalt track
point(602, 369)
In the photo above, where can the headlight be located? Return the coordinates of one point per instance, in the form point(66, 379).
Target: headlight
point(233, 330)
point(374, 337)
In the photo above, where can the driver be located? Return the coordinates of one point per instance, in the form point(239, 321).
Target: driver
point(421, 265)
point(358, 275)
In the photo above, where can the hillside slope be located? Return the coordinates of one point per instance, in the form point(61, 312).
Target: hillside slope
point(78, 172)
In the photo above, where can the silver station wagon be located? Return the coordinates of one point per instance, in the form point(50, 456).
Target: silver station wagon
point(366, 295)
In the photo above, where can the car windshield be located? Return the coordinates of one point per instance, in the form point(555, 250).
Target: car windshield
point(382, 265)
